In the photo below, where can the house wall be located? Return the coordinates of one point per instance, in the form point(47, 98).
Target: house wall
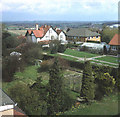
point(50, 35)
point(95, 38)
point(114, 47)
point(29, 39)
point(34, 39)
point(9, 112)
point(75, 39)
point(62, 37)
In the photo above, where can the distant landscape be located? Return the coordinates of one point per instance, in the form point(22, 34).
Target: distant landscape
point(61, 24)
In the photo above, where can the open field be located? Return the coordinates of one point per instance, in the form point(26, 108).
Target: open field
point(79, 53)
point(78, 56)
point(107, 106)
point(109, 59)
point(102, 63)
point(18, 32)
point(28, 76)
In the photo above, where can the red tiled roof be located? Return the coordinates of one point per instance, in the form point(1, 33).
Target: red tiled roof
point(38, 33)
point(29, 31)
point(19, 114)
point(41, 32)
point(115, 40)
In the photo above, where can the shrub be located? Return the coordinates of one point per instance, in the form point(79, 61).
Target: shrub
point(10, 66)
point(28, 100)
point(54, 49)
point(31, 52)
point(45, 65)
point(105, 85)
point(61, 48)
point(63, 63)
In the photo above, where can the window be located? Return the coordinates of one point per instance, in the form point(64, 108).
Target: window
point(61, 36)
point(114, 48)
point(88, 37)
point(97, 36)
point(50, 31)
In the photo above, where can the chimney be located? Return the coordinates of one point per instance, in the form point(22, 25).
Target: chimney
point(36, 26)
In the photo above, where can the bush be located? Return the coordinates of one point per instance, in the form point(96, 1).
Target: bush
point(63, 63)
point(9, 66)
point(54, 50)
point(28, 100)
point(45, 65)
point(31, 52)
point(67, 102)
point(61, 48)
point(105, 85)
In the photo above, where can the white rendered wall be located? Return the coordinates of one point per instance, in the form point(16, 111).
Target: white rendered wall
point(49, 34)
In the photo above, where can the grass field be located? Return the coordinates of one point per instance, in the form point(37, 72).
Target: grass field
point(75, 53)
point(109, 59)
point(107, 106)
point(102, 63)
point(28, 76)
point(79, 54)
point(18, 32)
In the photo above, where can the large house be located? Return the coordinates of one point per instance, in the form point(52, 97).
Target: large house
point(45, 33)
point(115, 43)
point(82, 35)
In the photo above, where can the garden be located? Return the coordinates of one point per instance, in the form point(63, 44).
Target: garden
point(52, 87)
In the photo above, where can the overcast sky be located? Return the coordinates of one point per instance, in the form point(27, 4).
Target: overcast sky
point(59, 10)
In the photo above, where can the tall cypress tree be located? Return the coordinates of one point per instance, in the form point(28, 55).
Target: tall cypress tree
point(55, 89)
point(87, 90)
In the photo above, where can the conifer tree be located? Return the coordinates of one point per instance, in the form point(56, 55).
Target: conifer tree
point(118, 79)
point(55, 89)
point(87, 90)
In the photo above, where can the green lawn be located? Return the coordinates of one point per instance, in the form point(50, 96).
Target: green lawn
point(108, 106)
point(109, 59)
point(102, 63)
point(28, 76)
point(79, 53)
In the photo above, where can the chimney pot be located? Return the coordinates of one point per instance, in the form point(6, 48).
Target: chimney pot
point(37, 26)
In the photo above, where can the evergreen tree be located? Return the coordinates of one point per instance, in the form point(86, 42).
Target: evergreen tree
point(40, 88)
point(87, 90)
point(118, 79)
point(55, 89)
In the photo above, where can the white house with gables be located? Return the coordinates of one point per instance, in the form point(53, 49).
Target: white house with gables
point(45, 34)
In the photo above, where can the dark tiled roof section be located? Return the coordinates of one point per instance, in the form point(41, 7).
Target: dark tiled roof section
point(81, 32)
point(6, 100)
